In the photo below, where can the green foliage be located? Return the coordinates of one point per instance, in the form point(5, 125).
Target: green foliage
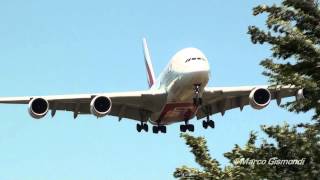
point(301, 142)
point(210, 166)
point(293, 33)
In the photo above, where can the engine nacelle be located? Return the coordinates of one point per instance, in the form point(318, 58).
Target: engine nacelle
point(259, 98)
point(301, 94)
point(38, 107)
point(100, 106)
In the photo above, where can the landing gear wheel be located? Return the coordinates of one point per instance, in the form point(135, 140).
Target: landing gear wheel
point(187, 127)
point(190, 127)
point(155, 129)
point(208, 123)
point(211, 124)
point(142, 126)
point(145, 127)
point(139, 128)
point(205, 124)
point(163, 129)
point(183, 128)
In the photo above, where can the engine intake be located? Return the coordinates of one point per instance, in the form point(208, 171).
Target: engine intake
point(259, 98)
point(100, 106)
point(38, 108)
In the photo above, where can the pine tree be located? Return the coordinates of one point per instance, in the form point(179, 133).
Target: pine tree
point(211, 169)
point(293, 31)
point(300, 142)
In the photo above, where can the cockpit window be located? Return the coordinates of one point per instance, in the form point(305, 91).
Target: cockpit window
point(193, 59)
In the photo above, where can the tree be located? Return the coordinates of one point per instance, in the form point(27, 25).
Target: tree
point(203, 158)
point(303, 146)
point(293, 32)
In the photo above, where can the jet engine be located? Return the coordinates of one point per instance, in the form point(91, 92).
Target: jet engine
point(302, 94)
point(100, 106)
point(259, 98)
point(38, 107)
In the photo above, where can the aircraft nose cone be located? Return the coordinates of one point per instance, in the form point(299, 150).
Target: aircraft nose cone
point(191, 61)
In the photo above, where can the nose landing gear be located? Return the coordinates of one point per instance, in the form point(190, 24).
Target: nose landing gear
point(197, 100)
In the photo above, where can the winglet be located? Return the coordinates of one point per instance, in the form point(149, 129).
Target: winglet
point(147, 59)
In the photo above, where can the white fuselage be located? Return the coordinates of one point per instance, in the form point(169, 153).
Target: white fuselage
point(187, 68)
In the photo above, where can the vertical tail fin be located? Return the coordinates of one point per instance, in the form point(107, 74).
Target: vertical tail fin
point(147, 60)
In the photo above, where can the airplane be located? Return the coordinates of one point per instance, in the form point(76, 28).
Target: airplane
point(178, 95)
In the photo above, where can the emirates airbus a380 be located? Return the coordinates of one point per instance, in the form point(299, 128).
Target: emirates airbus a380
point(178, 95)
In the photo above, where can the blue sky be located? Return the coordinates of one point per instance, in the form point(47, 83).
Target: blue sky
point(66, 47)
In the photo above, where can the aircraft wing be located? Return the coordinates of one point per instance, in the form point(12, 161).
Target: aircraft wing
point(221, 99)
point(132, 105)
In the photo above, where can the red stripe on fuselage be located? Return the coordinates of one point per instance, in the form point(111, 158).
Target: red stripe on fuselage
point(177, 112)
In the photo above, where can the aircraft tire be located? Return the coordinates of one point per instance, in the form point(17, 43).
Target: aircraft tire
point(183, 128)
point(211, 124)
point(155, 129)
point(145, 127)
point(163, 129)
point(205, 124)
point(139, 128)
point(190, 127)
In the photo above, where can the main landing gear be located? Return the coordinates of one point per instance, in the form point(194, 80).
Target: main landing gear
point(142, 126)
point(197, 100)
point(155, 129)
point(208, 123)
point(159, 128)
point(186, 126)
